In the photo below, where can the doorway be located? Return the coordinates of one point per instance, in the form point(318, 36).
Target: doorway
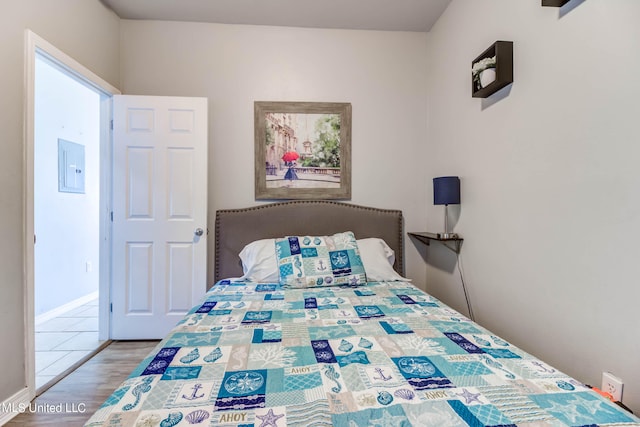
point(67, 213)
point(66, 220)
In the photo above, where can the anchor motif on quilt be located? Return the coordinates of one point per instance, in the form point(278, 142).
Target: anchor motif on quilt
point(542, 367)
point(382, 376)
point(194, 393)
point(321, 266)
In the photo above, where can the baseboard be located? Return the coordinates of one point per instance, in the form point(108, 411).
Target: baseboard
point(41, 318)
point(15, 405)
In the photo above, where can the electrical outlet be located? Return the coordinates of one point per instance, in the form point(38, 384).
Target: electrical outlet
point(89, 267)
point(612, 385)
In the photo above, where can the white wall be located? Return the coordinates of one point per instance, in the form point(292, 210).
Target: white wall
point(88, 32)
point(550, 209)
point(382, 74)
point(66, 224)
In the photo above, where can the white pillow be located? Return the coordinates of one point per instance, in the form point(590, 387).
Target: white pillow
point(378, 258)
point(259, 262)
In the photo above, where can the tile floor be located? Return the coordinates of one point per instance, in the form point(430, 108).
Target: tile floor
point(64, 340)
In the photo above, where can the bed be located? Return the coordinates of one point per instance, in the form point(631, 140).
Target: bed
point(362, 347)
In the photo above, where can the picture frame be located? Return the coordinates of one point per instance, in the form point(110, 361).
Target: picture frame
point(302, 150)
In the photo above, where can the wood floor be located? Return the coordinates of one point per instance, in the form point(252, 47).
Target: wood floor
point(86, 388)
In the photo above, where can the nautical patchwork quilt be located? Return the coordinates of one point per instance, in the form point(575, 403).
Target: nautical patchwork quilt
point(384, 354)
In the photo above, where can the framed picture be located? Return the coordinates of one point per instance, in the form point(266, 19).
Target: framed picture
point(302, 150)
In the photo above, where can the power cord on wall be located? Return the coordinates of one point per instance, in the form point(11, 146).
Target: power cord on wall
point(464, 288)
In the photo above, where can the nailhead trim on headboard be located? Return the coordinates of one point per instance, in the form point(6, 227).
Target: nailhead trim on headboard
point(395, 216)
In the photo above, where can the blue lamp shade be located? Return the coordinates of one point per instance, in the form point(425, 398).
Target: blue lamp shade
point(446, 190)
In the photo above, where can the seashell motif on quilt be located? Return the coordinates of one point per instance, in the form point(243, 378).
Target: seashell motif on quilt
point(172, 419)
point(345, 346)
point(384, 398)
point(193, 355)
point(499, 341)
point(215, 354)
point(196, 417)
point(365, 343)
point(481, 341)
point(404, 393)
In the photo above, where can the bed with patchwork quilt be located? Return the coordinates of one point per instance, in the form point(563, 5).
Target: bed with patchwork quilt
point(320, 328)
point(382, 354)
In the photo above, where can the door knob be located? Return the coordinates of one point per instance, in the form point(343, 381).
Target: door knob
point(199, 232)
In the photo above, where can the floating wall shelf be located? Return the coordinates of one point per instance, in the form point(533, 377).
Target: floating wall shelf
point(503, 51)
point(427, 238)
point(554, 3)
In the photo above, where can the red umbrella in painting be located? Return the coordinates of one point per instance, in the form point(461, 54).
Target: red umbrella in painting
point(290, 156)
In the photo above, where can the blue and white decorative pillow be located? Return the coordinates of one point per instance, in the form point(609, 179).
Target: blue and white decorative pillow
point(311, 261)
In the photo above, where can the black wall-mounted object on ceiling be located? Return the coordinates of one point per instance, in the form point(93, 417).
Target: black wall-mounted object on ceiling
point(555, 3)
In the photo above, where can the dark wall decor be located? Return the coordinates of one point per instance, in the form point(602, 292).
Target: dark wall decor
point(496, 61)
point(554, 3)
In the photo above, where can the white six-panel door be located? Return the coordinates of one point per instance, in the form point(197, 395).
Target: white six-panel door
point(159, 212)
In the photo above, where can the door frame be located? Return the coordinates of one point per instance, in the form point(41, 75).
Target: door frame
point(37, 46)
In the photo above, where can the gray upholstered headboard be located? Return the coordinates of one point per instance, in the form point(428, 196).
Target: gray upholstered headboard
point(235, 228)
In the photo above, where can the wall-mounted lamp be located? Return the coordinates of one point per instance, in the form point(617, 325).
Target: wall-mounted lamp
point(446, 191)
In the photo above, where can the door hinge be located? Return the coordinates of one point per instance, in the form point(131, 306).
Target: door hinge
point(34, 239)
point(111, 307)
point(111, 216)
point(111, 124)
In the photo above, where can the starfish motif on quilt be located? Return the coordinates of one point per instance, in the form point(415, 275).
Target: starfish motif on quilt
point(270, 419)
point(469, 397)
point(182, 341)
point(571, 412)
point(324, 333)
point(579, 410)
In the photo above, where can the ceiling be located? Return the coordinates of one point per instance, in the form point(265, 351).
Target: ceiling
point(384, 15)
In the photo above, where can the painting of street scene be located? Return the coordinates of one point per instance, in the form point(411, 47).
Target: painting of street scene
point(302, 152)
